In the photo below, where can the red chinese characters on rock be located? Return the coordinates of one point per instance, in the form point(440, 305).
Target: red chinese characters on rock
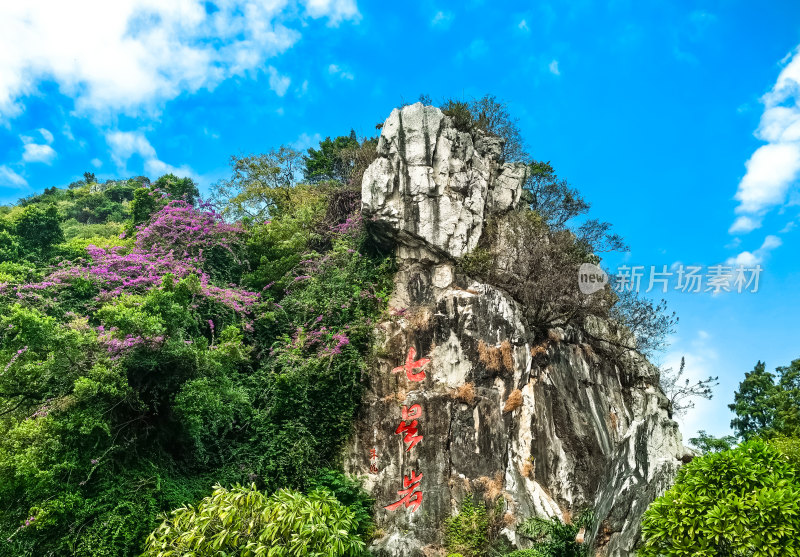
point(411, 364)
point(373, 464)
point(410, 429)
point(410, 495)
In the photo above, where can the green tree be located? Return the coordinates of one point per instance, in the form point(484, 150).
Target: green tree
point(706, 443)
point(145, 203)
point(178, 188)
point(745, 501)
point(38, 229)
point(767, 405)
point(245, 522)
point(331, 161)
point(260, 185)
point(493, 116)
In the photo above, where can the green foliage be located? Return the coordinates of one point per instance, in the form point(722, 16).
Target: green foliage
point(37, 230)
point(261, 185)
point(789, 447)
point(278, 246)
point(119, 407)
point(178, 188)
point(349, 492)
point(461, 115)
point(144, 205)
point(768, 404)
point(706, 443)
point(553, 538)
point(330, 161)
point(479, 262)
point(467, 532)
point(745, 501)
point(245, 522)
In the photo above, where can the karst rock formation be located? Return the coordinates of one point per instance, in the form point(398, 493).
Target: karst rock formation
point(463, 396)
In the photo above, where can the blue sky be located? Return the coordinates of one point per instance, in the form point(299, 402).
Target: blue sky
point(679, 121)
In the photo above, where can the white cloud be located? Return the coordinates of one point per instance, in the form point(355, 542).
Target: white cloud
point(770, 172)
point(145, 52)
point(523, 26)
point(553, 68)
point(97, 163)
point(38, 153)
point(335, 10)
point(125, 145)
point(744, 224)
point(305, 141)
point(749, 259)
point(442, 19)
point(334, 69)
point(10, 179)
point(46, 135)
point(773, 169)
point(277, 82)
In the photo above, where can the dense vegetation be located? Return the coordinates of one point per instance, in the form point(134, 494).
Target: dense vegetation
point(152, 348)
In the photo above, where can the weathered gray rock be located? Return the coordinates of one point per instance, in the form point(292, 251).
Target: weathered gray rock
point(432, 186)
point(550, 424)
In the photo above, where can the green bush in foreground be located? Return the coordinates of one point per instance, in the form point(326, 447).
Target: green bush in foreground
point(553, 538)
point(745, 501)
point(245, 522)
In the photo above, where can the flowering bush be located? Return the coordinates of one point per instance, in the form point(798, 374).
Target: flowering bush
point(135, 372)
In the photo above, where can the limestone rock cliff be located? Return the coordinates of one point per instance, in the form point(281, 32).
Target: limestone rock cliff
point(464, 397)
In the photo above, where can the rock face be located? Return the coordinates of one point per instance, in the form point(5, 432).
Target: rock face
point(463, 396)
point(432, 186)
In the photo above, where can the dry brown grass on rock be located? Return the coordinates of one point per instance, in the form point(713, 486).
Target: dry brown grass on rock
point(465, 393)
point(434, 551)
point(514, 401)
point(399, 396)
point(554, 336)
point(489, 356)
point(492, 487)
point(612, 418)
point(508, 356)
point(420, 319)
point(496, 357)
point(527, 469)
point(539, 349)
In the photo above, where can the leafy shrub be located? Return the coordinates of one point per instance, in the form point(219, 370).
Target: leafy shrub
point(460, 113)
point(468, 532)
point(745, 501)
point(245, 522)
point(348, 492)
point(553, 538)
point(790, 447)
